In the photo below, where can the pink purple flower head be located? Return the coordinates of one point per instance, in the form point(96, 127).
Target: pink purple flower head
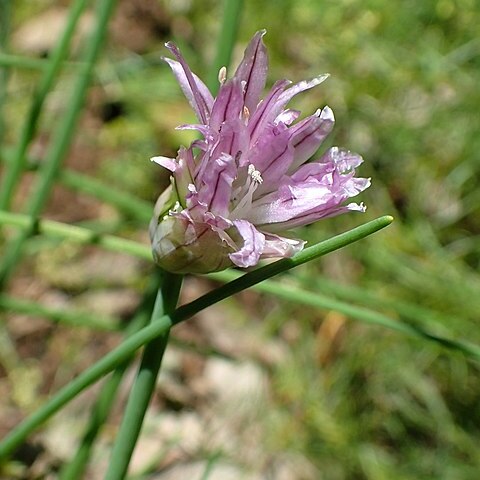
point(235, 191)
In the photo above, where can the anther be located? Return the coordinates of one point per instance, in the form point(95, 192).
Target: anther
point(255, 174)
point(222, 75)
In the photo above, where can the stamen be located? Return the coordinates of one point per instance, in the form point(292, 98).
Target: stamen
point(222, 75)
point(246, 113)
point(255, 174)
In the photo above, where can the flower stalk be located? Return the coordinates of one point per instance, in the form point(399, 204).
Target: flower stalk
point(127, 348)
point(145, 381)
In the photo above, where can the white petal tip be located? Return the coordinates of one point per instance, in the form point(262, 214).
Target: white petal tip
point(357, 207)
point(327, 114)
point(321, 78)
point(165, 162)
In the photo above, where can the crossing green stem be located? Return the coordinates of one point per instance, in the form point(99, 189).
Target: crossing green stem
point(162, 325)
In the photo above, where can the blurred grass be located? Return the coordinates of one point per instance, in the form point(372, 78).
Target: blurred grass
point(363, 403)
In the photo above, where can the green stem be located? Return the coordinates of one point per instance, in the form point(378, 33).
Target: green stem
point(226, 41)
point(61, 142)
point(16, 167)
point(159, 327)
point(130, 204)
point(78, 234)
point(5, 18)
point(75, 469)
point(263, 273)
point(138, 209)
point(68, 317)
point(323, 302)
point(121, 354)
point(145, 382)
point(407, 311)
point(16, 61)
point(84, 235)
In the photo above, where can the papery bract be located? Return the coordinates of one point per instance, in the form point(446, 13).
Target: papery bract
point(247, 180)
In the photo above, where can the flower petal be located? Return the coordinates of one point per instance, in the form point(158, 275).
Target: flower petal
point(288, 94)
point(308, 135)
point(281, 247)
point(228, 104)
point(165, 162)
point(315, 191)
point(287, 117)
point(280, 149)
point(253, 245)
point(231, 140)
point(276, 101)
point(262, 114)
point(194, 89)
point(253, 70)
point(271, 156)
point(344, 160)
point(217, 185)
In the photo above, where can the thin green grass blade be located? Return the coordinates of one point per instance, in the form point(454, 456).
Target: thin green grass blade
point(67, 317)
point(160, 326)
point(5, 17)
point(75, 469)
point(76, 233)
point(117, 244)
point(408, 311)
point(145, 382)
point(131, 205)
point(61, 141)
point(16, 167)
point(15, 61)
point(365, 315)
point(232, 12)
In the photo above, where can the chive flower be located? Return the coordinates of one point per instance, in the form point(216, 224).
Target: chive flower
point(237, 190)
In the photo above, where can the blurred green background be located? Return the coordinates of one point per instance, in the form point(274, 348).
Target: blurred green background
point(357, 401)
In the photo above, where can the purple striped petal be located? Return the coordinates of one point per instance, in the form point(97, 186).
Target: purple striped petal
point(253, 245)
point(272, 154)
point(217, 185)
point(253, 70)
point(315, 191)
point(194, 89)
point(288, 94)
point(261, 115)
point(287, 117)
point(228, 104)
point(308, 135)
